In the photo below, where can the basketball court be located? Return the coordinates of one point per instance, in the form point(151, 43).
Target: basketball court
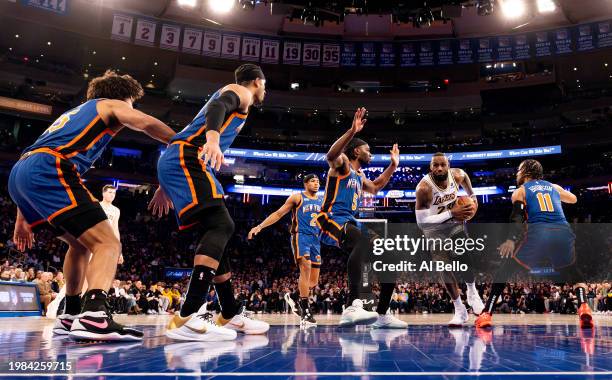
point(519, 346)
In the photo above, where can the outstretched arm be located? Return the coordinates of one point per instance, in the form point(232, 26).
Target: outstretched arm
point(382, 180)
point(334, 155)
point(126, 115)
point(566, 196)
point(291, 203)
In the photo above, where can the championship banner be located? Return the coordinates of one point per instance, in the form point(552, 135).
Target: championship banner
point(408, 54)
point(586, 39)
point(485, 50)
point(251, 47)
point(230, 46)
point(563, 41)
point(522, 48)
point(604, 34)
point(426, 54)
point(192, 40)
point(122, 27)
point(292, 52)
point(349, 54)
point(212, 44)
point(543, 46)
point(445, 52)
point(270, 51)
point(145, 32)
point(331, 55)
point(387, 55)
point(465, 52)
point(170, 37)
point(368, 54)
point(505, 49)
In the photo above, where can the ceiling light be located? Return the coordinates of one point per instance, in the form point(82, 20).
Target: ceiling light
point(546, 6)
point(221, 6)
point(187, 3)
point(513, 8)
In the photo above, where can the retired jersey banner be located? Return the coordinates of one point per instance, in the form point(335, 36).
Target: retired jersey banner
point(270, 51)
point(212, 44)
point(327, 53)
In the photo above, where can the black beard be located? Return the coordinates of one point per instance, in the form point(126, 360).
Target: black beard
point(440, 178)
point(363, 163)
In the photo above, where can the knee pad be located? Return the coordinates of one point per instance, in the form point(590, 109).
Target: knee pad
point(218, 228)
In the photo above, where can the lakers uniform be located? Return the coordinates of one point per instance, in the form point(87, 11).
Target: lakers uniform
point(191, 185)
point(305, 240)
point(549, 239)
point(340, 205)
point(442, 200)
point(46, 182)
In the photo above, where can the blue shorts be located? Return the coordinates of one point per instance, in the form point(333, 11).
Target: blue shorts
point(48, 190)
point(191, 186)
point(306, 246)
point(547, 244)
point(332, 227)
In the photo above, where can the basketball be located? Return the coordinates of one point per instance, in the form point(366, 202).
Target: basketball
point(465, 200)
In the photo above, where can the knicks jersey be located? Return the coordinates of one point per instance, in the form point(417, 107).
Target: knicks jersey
point(195, 132)
point(342, 195)
point(304, 215)
point(543, 203)
point(80, 135)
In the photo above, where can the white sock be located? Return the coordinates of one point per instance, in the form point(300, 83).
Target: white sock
point(457, 303)
point(471, 287)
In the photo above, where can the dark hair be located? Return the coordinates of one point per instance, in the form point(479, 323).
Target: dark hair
point(310, 176)
point(532, 169)
point(438, 154)
point(107, 187)
point(114, 86)
point(349, 150)
point(248, 72)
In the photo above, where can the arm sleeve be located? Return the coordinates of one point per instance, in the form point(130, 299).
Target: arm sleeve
point(218, 108)
point(517, 218)
point(424, 217)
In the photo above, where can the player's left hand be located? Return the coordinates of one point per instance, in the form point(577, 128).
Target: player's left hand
point(161, 204)
point(23, 237)
point(395, 155)
point(506, 249)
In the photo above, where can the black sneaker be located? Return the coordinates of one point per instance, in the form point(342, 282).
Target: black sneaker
point(308, 319)
point(99, 326)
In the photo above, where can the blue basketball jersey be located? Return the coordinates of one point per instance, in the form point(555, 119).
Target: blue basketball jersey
point(80, 135)
point(342, 195)
point(195, 132)
point(304, 215)
point(543, 203)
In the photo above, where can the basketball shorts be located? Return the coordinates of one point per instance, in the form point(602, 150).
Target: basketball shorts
point(333, 227)
point(547, 244)
point(49, 192)
point(306, 246)
point(191, 185)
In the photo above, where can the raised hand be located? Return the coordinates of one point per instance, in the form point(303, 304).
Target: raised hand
point(358, 120)
point(395, 155)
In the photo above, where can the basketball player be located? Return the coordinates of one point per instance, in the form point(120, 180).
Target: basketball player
point(337, 219)
point(47, 188)
point(439, 216)
point(305, 241)
point(197, 197)
point(64, 321)
point(538, 204)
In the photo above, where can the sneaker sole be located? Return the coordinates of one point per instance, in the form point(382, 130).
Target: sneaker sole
point(365, 321)
point(110, 337)
point(191, 338)
point(62, 332)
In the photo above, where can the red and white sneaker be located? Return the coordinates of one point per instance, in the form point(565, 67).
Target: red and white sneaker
point(484, 320)
point(63, 324)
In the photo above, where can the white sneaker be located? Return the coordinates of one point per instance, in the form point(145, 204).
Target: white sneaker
point(474, 300)
point(244, 323)
point(357, 315)
point(388, 321)
point(198, 327)
point(63, 323)
point(292, 306)
point(460, 318)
